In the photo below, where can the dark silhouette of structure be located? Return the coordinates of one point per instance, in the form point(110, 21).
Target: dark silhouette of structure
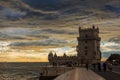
point(88, 49)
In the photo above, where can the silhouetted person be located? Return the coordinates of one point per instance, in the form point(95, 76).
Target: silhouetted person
point(87, 66)
point(104, 66)
point(99, 66)
point(94, 66)
point(40, 75)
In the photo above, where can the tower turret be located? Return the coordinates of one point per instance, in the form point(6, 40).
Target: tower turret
point(64, 55)
point(93, 26)
point(55, 55)
point(50, 55)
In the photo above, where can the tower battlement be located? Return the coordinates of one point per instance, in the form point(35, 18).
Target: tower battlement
point(89, 29)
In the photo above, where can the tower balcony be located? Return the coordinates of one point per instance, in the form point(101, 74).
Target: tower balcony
point(88, 38)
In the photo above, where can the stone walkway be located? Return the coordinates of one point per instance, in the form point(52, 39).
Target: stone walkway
point(108, 75)
point(80, 74)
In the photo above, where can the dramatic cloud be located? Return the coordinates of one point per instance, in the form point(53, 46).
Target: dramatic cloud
point(31, 33)
point(58, 31)
point(52, 25)
point(115, 39)
point(47, 42)
point(15, 31)
point(113, 8)
point(4, 46)
point(52, 31)
point(11, 14)
point(12, 37)
point(40, 55)
point(109, 48)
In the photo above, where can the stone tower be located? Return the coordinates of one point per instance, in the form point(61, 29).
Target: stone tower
point(88, 49)
point(50, 57)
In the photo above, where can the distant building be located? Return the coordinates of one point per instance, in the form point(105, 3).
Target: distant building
point(88, 50)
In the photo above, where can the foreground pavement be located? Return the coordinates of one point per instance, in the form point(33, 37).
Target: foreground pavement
point(109, 75)
point(80, 74)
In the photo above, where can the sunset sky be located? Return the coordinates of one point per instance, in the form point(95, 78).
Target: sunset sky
point(28, 32)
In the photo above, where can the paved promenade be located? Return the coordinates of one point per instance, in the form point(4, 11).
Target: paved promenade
point(109, 75)
point(80, 74)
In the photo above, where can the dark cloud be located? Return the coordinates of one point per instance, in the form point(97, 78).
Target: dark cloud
point(113, 8)
point(11, 37)
point(51, 17)
point(48, 42)
point(57, 31)
point(12, 14)
point(21, 37)
point(39, 36)
point(109, 46)
point(29, 33)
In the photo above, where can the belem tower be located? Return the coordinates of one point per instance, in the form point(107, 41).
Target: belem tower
point(88, 50)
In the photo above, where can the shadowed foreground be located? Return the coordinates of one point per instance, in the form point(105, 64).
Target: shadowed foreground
point(108, 75)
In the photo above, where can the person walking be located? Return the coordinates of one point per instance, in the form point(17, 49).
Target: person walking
point(94, 66)
point(99, 66)
point(104, 66)
point(87, 66)
point(40, 76)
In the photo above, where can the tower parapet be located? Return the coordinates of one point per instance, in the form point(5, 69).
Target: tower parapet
point(89, 33)
point(89, 29)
